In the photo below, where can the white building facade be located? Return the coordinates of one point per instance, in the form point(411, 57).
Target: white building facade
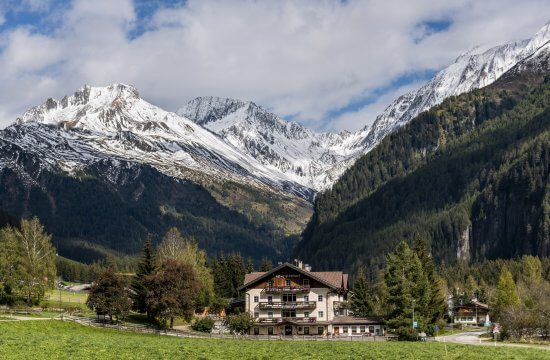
point(293, 300)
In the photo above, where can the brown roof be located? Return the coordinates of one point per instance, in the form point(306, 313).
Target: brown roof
point(352, 320)
point(334, 279)
point(252, 276)
point(472, 304)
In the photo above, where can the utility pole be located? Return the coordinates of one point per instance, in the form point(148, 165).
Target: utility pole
point(413, 314)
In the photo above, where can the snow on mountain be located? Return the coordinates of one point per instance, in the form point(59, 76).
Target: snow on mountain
point(214, 138)
point(317, 160)
point(114, 122)
point(311, 159)
point(472, 70)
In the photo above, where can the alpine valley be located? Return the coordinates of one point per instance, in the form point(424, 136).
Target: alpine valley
point(103, 167)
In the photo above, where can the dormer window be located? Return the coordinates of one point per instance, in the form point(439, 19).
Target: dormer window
point(287, 282)
point(270, 283)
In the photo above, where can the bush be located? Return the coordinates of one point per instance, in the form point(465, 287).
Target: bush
point(407, 334)
point(240, 323)
point(203, 325)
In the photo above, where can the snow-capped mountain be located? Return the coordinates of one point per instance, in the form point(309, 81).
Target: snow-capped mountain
point(317, 160)
point(216, 139)
point(311, 159)
point(113, 122)
point(472, 70)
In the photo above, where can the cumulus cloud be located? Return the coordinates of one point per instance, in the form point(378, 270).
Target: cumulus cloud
point(300, 57)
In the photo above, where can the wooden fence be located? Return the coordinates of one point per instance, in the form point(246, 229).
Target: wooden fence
point(124, 326)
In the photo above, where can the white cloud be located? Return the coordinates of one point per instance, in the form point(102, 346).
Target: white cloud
point(301, 57)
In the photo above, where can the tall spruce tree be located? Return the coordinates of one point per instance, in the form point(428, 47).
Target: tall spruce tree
point(435, 307)
point(362, 302)
point(146, 267)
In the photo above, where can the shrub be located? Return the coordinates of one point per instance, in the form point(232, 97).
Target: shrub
point(203, 325)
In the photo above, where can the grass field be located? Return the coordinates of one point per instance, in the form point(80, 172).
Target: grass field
point(63, 340)
point(69, 299)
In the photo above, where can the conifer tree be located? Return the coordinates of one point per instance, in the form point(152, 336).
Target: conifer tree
point(362, 303)
point(470, 289)
point(146, 267)
point(506, 293)
point(250, 266)
point(266, 265)
point(436, 307)
point(531, 269)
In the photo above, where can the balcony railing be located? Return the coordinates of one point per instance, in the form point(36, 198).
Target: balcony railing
point(287, 319)
point(281, 289)
point(287, 305)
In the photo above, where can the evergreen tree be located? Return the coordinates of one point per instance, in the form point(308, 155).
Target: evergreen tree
point(265, 265)
point(506, 293)
point(250, 266)
point(400, 300)
point(362, 303)
point(146, 267)
point(436, 306)
point(470, 289)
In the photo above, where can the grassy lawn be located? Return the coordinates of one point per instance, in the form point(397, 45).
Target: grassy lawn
point(64, 340)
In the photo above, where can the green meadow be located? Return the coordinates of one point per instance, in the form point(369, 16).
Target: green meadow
point(63, 340)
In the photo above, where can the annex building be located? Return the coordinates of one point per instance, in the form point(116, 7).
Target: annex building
point(293, 300)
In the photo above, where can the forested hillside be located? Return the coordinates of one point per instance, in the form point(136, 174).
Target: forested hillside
point(470, 175)
point(100, 212)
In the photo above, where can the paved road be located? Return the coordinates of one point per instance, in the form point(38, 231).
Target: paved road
point(472, 338)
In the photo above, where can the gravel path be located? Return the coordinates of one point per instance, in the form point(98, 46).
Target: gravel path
point(473, 338)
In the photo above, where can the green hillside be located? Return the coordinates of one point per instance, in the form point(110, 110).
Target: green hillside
point(471, 175)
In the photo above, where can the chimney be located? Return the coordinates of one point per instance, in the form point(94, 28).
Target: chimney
point(300, 265)
point(307, 267)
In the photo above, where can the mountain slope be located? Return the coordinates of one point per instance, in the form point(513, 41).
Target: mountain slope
point(317, 160)
point(314, 160)
point(471, 175)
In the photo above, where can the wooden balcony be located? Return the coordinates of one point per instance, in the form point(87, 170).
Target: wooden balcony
point(280, 320)
point(287, 305)
point(286, 289)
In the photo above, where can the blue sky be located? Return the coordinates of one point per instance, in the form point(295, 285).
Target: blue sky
point(329, 64)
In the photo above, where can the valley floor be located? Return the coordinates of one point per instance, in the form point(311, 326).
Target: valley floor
point(63, 340)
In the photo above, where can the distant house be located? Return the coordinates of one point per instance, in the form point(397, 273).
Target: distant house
point(293, 300)
point(471, 313)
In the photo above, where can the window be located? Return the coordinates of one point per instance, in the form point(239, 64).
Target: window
point(306, 330)
point(320, 330)
point(362, 328)
point(345, 330)
point(269, 331)
point(306, 314)
point(299, 328)
point(289, 313)
point(354, 329)
point(270, 299)
point(306, 298)
point(256, 331)
point(320, 314)
point(256, 314)
point(319, 298)
point(305, 282)
point(287, 282)
point(371, 329)
point(270, 283)
point(256, 298)
point(289, 297)
point(270, 314)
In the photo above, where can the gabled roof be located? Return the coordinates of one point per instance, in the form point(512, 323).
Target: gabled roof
point(332, 279)
point(473, 304)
